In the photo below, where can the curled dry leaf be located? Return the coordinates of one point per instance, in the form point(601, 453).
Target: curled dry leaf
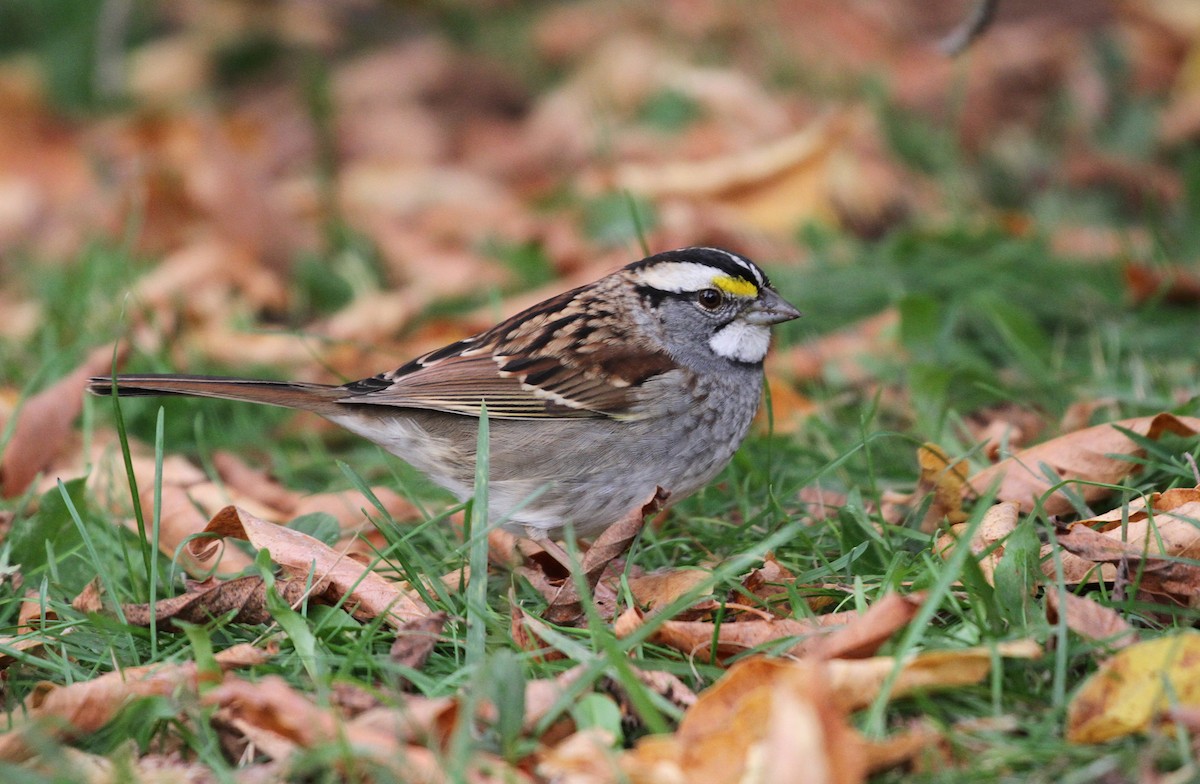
point(274, 716)
point(68, 712)
point(823, 636)
point(864, 635)
point(566, 606)
point(1094, 454)
point(1089, 619)
point(415, 640)
point(179, 520)
point(244, 596)
point(367, 594)
point(1131, 690)
point(1158, 543)
point(998, 522)
point(43, 425)
point(855, 683)
point(946, 480)
point(656, 590)
point(740, 727)
point(89, 599)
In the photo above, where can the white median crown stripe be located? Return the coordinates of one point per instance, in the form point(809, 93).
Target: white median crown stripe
point(682, 276)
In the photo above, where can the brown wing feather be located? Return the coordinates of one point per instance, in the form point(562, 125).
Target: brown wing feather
point(534, 365)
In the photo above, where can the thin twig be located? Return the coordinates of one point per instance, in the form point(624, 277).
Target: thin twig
point(958, 39)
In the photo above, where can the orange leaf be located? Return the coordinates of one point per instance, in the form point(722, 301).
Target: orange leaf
point(300, 553)
point(1089, 455)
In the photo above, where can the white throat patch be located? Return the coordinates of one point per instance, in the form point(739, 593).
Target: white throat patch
point(741, 342)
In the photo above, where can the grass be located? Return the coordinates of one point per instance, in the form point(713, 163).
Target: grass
point(969, 348)
point(987, 319)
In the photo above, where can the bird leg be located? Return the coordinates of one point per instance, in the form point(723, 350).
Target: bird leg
point(566, 606)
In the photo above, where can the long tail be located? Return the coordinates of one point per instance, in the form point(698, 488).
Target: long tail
point(318, 398)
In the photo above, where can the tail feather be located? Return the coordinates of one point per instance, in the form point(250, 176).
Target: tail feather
point(319, 398)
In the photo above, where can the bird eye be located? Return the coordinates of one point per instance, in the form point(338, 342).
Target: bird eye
point(709, 299)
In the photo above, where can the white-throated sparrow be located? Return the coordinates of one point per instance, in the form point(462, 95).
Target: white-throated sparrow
point(649, 376)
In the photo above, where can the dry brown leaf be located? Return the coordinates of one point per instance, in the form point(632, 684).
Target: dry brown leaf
point(421, 720)
point(179, 520)
point(946, 480)
point(566, 606)
point(273, 715)
point(998, 522)
point(245, 596)
point(367, 593)
point(586, 757)
point(1090, 455)
point(415, 640)
point(856, 634)
point(543, 693)
point(863, 635)
point(658, 589)
point(856, 683)
point(695, 638)
point(1134, 687)
point(1150, 546)
point(89, 599)
point(43, 426)
point(71, 711)
point(756, 709)
point(1089, 619)
point(768, 580)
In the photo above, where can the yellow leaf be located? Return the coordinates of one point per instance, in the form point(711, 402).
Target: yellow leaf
point(1135, 687)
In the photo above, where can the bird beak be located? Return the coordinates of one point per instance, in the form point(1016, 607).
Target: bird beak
point(770, 308)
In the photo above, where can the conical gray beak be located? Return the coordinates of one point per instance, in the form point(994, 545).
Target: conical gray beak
point(770, 308)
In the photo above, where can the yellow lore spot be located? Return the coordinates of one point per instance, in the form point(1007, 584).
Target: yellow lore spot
point(738, 287)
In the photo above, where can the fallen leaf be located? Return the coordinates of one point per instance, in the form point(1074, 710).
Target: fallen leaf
point(756, 708)
point(415, 640)
point(998, 522)
point(855, 683)
point(272, 714)
point(585, 757)
point(367, 593)
point(1096, 454)
point(68, 712)
point(658, 589)
point(43, 425)
point(245, 597)
point(566, 606)
point(1089, 619)
point(864, 635)
point(180, 520)
point(946, 480)
point(89, 599)
point(1131, 690)
point(1159, 545)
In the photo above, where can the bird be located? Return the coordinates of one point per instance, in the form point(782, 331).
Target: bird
point(645, 379)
